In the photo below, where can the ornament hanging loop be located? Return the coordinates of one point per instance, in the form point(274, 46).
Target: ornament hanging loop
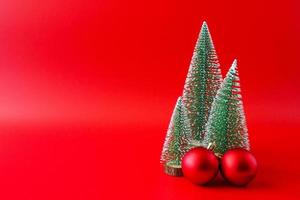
point(211, 146)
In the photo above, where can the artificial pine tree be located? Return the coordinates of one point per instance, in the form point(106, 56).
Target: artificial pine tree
point(203, 80)
point(177, 140)
point(226, 126)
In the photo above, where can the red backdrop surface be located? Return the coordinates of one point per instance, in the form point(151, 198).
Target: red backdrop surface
point(87, 89)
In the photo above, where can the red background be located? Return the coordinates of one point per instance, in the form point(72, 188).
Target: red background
point(87, 89)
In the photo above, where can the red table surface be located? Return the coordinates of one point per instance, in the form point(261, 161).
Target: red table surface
point(87, 89)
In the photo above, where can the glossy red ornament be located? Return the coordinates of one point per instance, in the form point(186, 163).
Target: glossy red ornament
point(238, 166)
point(200, 165)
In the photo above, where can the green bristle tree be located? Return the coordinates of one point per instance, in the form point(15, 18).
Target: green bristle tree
point(177, 140)
point(226, 127)
point(203, 80)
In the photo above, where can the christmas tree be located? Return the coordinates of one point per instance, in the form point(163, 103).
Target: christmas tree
point(226, 127)
point(177, 139)
point(203, 80)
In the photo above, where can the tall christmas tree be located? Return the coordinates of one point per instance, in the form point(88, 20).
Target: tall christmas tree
point(203, 80)
point(226, 126)
point(177, 140)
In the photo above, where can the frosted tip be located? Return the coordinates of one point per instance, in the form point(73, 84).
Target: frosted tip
point(204, 25)
point(204, 29)
point(234, 62)
point(234, 65)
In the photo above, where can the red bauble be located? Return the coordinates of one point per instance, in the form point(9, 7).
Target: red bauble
point(238, 166)
point(200, 165)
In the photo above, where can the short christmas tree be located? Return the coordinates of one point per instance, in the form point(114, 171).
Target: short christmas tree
point(203, 80)
point(226, 127)
point(177, 140)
